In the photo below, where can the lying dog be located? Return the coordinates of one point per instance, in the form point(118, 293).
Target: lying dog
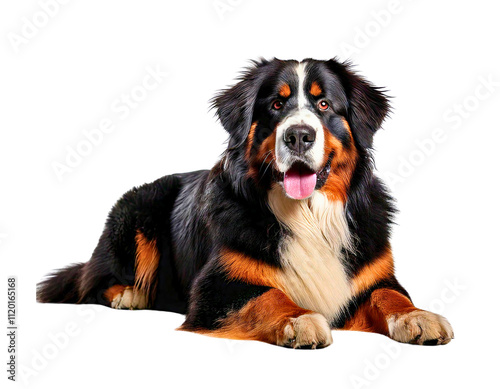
point(284, 239)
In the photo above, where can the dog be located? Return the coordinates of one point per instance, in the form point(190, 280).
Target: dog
point(286, 238)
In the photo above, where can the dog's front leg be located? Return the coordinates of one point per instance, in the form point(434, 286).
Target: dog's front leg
point(273, 318)
point(389, 312)
point(238, 297)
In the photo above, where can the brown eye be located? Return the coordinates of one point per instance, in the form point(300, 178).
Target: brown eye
point(323, 105)
point(277, 104)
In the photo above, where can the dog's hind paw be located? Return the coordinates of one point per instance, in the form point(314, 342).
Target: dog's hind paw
point(126, 297)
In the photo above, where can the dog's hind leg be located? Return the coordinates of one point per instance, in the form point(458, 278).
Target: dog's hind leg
point(143, 292)
point(127, 256)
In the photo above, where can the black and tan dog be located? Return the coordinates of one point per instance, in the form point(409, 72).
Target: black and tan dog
point(284, 239)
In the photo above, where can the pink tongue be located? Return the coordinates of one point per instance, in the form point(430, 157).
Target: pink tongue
point(299, 185)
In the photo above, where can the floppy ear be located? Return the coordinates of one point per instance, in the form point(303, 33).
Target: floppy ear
point(234, 106)
point(368, 104)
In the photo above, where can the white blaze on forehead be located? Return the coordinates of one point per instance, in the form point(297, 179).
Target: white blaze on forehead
point(301, 73)
point(305, 116)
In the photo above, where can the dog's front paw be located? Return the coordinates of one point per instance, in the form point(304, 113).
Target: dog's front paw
point(420, 327)
point(306, 331)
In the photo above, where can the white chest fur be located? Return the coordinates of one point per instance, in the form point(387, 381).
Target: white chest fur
point(313, 275)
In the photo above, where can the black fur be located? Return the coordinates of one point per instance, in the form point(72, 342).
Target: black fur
point(193, 216)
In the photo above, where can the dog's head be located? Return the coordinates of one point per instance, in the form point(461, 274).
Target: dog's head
point(303, 125)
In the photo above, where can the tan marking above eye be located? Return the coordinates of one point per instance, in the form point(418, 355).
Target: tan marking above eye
point(315, 89)
point(285, 90)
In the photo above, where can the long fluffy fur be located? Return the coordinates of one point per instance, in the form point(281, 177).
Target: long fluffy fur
point(219, 245)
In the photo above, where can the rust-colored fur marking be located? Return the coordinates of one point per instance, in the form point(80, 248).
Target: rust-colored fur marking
point(390, 302)
point(372, 315)
point(266, 147)
point(264, 157)
point(243, 268)
point(146, 264)
point(112, 292)
point(250, 137)
point(367, 319)
point(263, 318)
point(315, 89)
point(347, 127)
point(285, 91)
point(381, 268)
point(342, 167)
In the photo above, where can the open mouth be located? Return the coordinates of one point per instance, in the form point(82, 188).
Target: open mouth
point(300, 180)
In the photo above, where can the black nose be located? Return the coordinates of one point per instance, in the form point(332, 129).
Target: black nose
point(300, 138)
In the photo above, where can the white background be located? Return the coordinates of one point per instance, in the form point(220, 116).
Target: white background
point(66, 76)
